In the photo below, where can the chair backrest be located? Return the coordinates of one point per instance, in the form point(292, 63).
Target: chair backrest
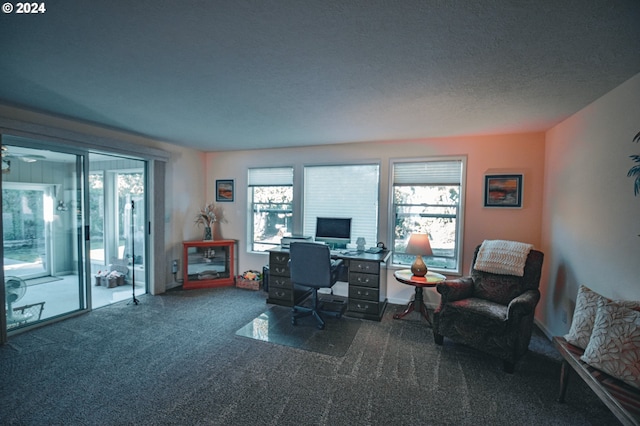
point(310, 264)
point(504, 288)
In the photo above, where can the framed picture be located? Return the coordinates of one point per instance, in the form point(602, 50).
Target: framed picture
point(503, 191)
point(224, 190)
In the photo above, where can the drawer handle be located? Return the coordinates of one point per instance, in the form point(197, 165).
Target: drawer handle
point(278, 282)
point(366, 293)
point(361, 307)
point(360, 280)
point(280, 294)
point(280, 271)
point(281, 258)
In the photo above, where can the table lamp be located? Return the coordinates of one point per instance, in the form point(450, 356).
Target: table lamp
point(420, 246)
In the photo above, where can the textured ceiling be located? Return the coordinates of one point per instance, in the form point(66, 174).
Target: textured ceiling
point(236, 74)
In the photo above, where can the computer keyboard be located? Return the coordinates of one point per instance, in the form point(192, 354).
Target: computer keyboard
point(374, 250)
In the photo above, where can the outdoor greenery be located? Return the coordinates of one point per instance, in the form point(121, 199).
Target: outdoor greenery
point(272, 212)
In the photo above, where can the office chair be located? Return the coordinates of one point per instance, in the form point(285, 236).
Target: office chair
point(311, 266)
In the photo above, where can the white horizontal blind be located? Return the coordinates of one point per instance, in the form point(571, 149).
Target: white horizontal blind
point(271, 176)
point(346, 191)
point(446, 172)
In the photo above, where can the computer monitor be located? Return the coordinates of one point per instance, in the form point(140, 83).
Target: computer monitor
point(334, 231)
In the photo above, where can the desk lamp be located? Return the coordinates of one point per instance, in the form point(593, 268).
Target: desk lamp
point(420, 246)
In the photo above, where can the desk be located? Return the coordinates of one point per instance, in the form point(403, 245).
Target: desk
point(367, 297)
point(430, 280)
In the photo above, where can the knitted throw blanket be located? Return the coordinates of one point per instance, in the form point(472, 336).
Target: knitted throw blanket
point(502, 257)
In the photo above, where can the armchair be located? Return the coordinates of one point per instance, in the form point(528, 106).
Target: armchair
point(490, 312)
point(311, 266)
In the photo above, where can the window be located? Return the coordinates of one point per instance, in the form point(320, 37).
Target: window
point(427, 198)
point(345, 191)
point(271, 203)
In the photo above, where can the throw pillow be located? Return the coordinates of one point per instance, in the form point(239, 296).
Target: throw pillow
point(615, 343)
point(584, 315)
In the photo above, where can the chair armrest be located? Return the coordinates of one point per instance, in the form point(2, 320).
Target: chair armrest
point(336, 263)
point(456, 289)
point(524, 304)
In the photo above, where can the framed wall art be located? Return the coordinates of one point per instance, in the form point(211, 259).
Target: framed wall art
point(224, 190)
point(503, 190)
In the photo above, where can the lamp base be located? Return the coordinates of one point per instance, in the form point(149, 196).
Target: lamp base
point(419, 269)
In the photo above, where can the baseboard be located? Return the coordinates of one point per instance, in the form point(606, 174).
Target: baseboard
point(544, 329)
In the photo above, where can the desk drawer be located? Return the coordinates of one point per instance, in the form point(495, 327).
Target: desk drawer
point(280, 282)
point(365, 280)
point(280, 293)
point(279, 259)
point(278, 269)
point(364, 266)
point(364, 307)
point(363, 293)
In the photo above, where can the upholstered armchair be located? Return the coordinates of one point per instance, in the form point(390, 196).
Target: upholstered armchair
point(490, 312)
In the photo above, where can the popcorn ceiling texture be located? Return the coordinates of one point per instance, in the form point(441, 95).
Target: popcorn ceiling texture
point(252, 74)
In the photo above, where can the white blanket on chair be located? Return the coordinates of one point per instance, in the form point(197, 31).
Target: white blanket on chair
point(502, 257)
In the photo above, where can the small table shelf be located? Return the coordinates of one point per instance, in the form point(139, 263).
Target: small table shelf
point(208, 263)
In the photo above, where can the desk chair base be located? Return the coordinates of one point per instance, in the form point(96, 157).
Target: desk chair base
point(316, 310)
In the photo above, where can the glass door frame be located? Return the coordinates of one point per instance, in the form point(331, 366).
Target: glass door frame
point(79, 209)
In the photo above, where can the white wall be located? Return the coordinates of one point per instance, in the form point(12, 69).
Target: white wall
point(523, 153)
point(591, 219)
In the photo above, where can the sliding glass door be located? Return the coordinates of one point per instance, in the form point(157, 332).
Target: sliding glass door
point(74, 230)
point(117, 228)
point(42, 232)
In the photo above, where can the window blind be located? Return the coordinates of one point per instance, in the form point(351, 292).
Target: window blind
point(343, 191)
point(447, 172)
point(271, 176)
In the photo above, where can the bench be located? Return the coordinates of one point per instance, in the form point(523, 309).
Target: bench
point(623, 400)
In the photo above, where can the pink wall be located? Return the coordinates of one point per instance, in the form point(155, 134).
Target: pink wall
point(496, 155)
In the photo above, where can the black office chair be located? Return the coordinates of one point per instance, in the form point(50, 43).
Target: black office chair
point(311, 266)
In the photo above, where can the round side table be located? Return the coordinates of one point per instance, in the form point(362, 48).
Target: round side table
point(430, 280)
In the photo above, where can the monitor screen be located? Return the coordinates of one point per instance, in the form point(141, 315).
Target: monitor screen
point(333, 230)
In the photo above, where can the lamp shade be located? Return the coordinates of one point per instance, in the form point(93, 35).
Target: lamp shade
point(419, 244)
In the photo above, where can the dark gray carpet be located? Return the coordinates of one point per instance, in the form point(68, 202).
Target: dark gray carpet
point(175, 359)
